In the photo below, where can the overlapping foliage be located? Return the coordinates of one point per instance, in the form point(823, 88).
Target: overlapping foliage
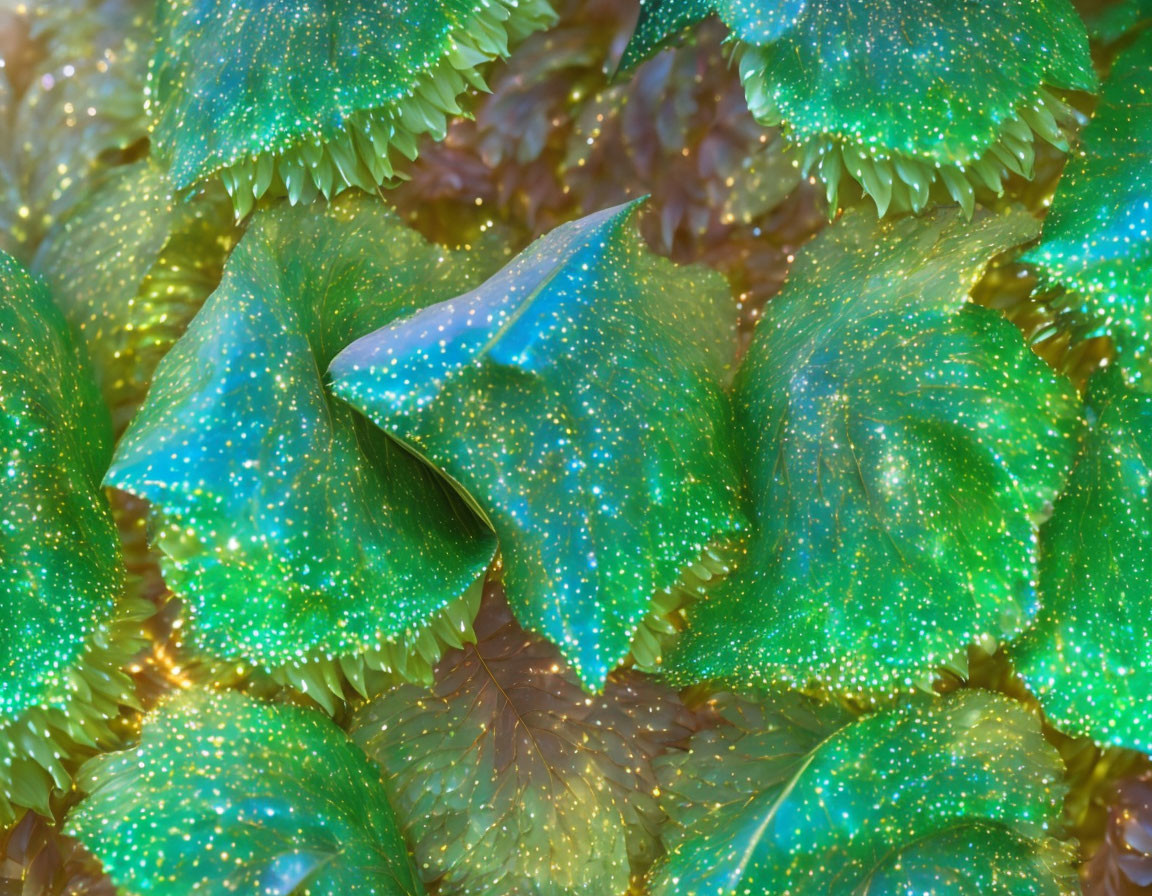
point(742, 564)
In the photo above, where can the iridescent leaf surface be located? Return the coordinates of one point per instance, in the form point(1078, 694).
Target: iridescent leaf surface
point(308, 97)
point(1098, 236)
point(225, 795)
point(60, 545)
point(903, 96)
point(949, 796)
point(295, 530)
point(508, 778)
point(61, 574)
point(576, 396)
point(1087, 656)
point(130, 266)
point(901, 443)
point(659, 21)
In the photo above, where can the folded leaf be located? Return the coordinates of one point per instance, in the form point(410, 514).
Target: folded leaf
point(508, 778)
point(952, 797)
point(226, 795)
point(130, 266)
point(1098, 236)
point(902, 96)
point(298, 534)
point(901, 443)
point(576, 396)
point(65, 626)
point(306, 97)
point(1087, 656)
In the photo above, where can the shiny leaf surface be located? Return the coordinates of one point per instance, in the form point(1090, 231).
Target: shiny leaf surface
point(576, 396)
point(901, 443)
point(949, 796)
point(64, 631)
point(130, 266)
point(902, 96)
point(316, 97)
point(294, 530)
point(225, 794)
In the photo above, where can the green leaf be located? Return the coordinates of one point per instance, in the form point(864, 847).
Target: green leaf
point(225, 794)
point(576, 396)
point(901, 444)
point(307, 98)
point(297, 533)
point(65, 628)
point(1087, 656)
point(902, 97)
point(756, 22)
point(508, 778)
point(130, 266)
point(950, 796)
point(1098, 236)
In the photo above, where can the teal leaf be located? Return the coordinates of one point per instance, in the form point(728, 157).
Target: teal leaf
point(953, 797)
point(508, 778)
point(225, 794)
point(1097, 240)
point(301, 538)
point(307, 98)
point(902, 97)
point(65, 626)
point(756, 22)
point(659, 22)
point(1087, 656)
point(576, 397)
point(130, 266)
point(902, 443)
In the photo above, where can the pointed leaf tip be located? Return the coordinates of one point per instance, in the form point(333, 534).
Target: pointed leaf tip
point(226, 794)
point(945, 796)
point(577, 397)
point(1086, 658)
